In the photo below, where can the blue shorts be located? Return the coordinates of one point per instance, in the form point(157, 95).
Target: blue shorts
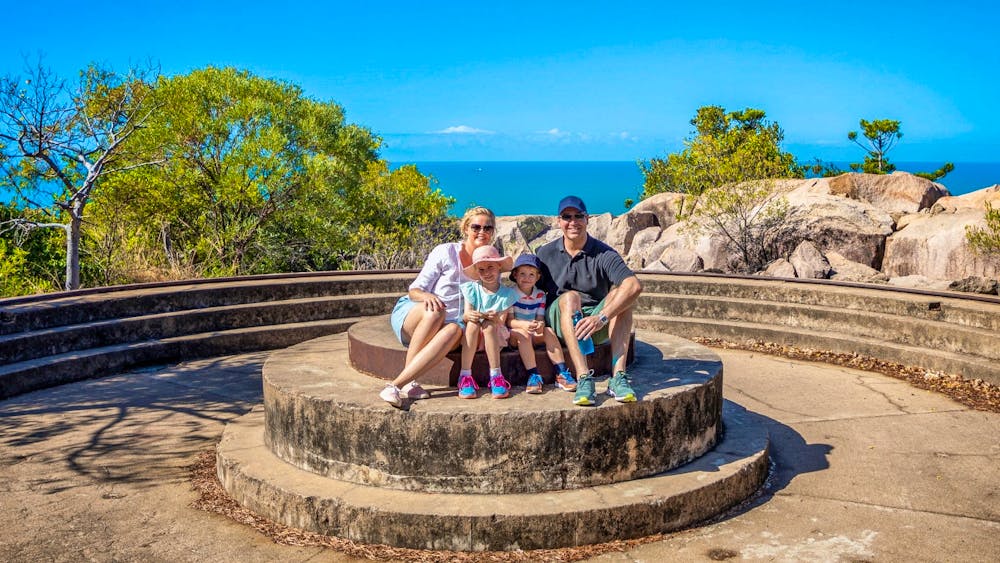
point(398, 317)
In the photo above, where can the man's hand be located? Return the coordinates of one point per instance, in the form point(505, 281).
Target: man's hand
point(588, 326)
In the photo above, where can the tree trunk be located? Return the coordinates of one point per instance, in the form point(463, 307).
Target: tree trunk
point(73, 248)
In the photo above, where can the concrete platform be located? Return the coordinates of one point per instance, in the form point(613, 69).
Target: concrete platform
point(728, 474)
point(323, 416)
point(865, 468)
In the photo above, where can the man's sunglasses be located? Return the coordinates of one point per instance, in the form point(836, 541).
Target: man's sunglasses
point(571, 216)
point(476, 228)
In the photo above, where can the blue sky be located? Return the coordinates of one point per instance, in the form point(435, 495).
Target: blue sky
point(569, 80)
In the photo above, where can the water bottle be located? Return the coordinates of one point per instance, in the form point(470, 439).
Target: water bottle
point(586, 344)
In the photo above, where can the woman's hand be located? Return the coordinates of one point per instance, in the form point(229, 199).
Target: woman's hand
point(432, 302)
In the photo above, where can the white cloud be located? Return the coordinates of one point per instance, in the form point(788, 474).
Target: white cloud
point(463, 130)
point(555, 132)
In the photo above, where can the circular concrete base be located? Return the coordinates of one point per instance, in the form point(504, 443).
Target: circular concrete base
point(723, 477)
point(326, 418)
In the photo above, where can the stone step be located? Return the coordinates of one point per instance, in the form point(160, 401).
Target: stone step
point(375, 351)
point(976, 311)
point(325, 417)
point(40, 373)
point(964, 364)
point(910, 331)
point(666, 502)
point(84, 306)
point(28, 345)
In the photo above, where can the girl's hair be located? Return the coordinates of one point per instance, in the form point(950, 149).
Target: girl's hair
point(472, 212)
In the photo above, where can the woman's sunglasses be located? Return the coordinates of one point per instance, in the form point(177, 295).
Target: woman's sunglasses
point(476, 228)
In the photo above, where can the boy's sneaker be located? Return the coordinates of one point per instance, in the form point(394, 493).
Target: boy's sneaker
point(414, 391)
point(585, 390)
point(499, 387)
point(565, 381)
point(467, 387)
point(535, 383)
point(391, 395)
point(619, 388)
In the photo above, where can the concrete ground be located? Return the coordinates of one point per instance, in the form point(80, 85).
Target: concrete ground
point(866, 468)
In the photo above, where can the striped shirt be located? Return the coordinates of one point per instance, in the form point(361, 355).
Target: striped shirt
point(531, 306)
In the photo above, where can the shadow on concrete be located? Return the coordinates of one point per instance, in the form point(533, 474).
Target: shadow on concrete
point(112, 429)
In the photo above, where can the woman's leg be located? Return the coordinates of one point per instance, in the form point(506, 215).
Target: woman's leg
point(436, 348)
point(419, 327)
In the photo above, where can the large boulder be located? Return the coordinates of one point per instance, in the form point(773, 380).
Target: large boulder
point(975, 284)
point(780, 268)
point(934, 246)
point(514, 234)
point(842, 269)
point(623, 229)
point(712, 249)
point(852, 228)
point(809, 262)
point(896, 193)
point(664, 206)
point(680, 260)
point(646, 247)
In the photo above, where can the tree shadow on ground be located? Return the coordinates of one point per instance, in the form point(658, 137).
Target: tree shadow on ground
point(138, 427)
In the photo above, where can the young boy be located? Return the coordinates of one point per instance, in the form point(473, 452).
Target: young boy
point(487, 304)
point(528, 326)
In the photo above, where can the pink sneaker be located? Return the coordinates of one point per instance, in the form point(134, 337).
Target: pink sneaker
point(499, 386)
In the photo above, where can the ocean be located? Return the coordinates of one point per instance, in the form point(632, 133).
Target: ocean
point(534, 188)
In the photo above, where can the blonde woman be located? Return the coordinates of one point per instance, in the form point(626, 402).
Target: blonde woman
point(428, 319)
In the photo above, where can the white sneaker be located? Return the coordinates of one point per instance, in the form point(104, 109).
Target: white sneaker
point(414, 391)
point(391, 395)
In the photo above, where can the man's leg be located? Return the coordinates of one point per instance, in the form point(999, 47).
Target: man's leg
point(568, 303)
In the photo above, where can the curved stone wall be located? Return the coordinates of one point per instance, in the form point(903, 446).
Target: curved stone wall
point(48, 340)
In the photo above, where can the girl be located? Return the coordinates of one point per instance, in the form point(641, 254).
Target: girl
point(487, 303)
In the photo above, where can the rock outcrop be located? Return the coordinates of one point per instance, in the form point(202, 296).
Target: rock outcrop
point(864, 228)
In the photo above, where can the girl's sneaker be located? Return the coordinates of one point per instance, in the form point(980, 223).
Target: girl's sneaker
point(414, 391)
point(565, 381)
point(391, 395)
point(534, 384)
point(499, 387)
point(467, 388)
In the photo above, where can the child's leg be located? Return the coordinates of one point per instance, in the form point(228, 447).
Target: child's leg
point(493, 344)
point(525, 347)
point(470, 344)
point(552, 346)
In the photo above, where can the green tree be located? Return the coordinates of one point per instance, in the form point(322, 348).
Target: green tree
point(31, 260)
point(726, 148)
point(59, 143)
point(881, 136)
point(986, 240)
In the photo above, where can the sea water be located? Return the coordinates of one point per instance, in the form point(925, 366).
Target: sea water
point(535, 188)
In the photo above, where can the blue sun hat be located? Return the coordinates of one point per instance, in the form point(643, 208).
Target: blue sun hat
point(526, 260)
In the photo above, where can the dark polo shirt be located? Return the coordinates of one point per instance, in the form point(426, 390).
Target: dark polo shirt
point(592, 272)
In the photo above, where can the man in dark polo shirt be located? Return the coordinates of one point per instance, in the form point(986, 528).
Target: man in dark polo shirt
point(582, 273)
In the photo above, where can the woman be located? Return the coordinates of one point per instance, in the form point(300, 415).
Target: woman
point(428, 320)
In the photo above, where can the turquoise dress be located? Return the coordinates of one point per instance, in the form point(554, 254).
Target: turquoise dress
point(484, 301)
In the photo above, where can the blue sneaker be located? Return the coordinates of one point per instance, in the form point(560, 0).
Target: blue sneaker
point(565, 381)
point(585, 390)
point(467, 388)
point(534, 385)
point(499, 387)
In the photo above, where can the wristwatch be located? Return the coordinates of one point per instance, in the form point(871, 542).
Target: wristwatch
point(603, 318)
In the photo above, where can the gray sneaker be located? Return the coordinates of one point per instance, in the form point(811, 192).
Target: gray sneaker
point(619, 388)
point(585, 390)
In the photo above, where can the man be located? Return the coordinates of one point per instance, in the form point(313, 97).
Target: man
point(584, 274)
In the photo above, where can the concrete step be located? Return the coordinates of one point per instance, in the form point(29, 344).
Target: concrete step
point(325, 417)
point(32, 344)
point(40, 373)
point(673, 500)
point(69, 308)
point(975, 311)
point(375, 350)
point(910, 331)
point(965, 364)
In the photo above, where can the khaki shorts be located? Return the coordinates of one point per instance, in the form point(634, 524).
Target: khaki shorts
point(552, 318)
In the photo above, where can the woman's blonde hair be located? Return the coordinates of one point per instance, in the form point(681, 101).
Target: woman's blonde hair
point(472, 212)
